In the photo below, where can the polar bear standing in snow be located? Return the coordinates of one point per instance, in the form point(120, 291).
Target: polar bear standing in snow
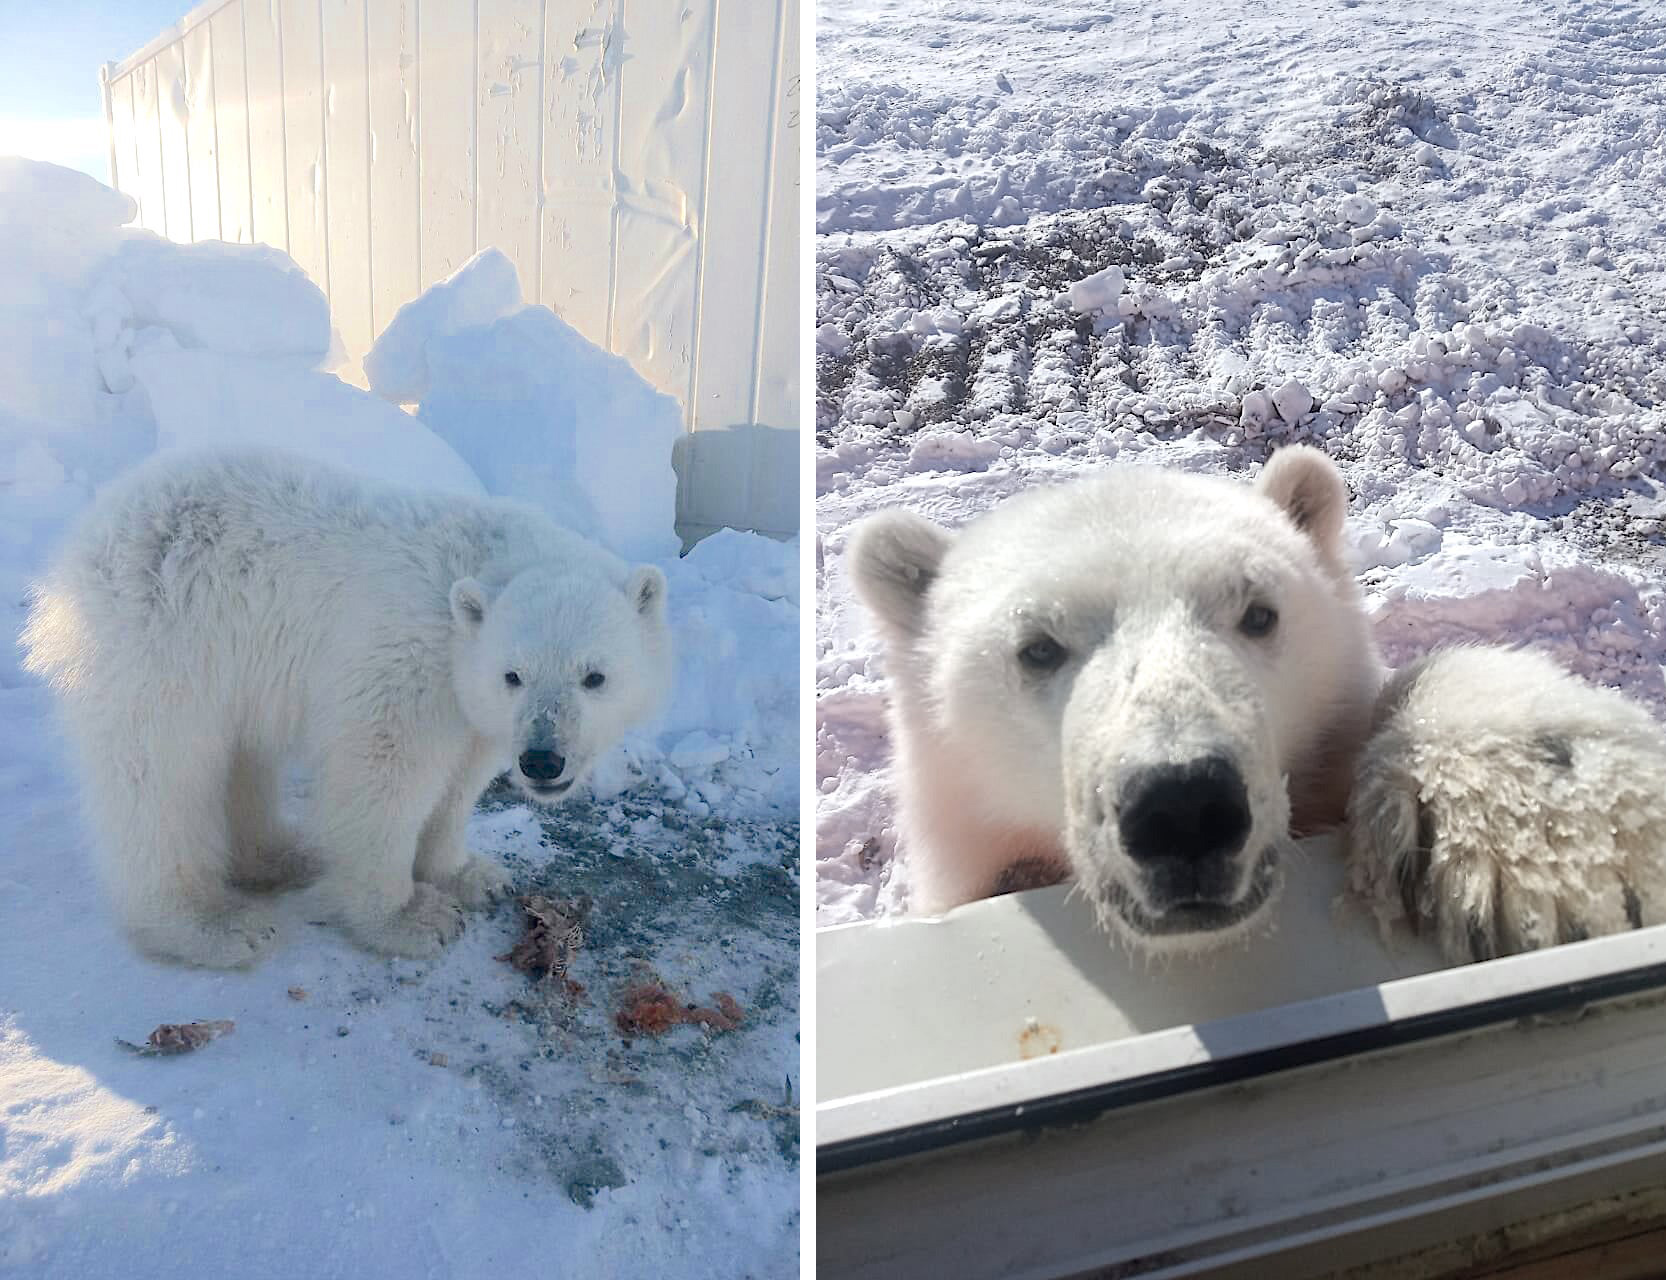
point(217, 615)
point(1149, 681)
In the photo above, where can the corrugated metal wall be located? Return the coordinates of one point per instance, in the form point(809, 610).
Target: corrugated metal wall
point(637, 159)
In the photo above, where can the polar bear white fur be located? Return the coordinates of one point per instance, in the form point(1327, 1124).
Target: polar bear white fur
point(216, 618)
point(1149, 682)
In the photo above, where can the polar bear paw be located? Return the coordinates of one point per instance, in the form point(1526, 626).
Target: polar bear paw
point(430, 920)
point(233, 936)
point(477, 883)
point(1502, 805)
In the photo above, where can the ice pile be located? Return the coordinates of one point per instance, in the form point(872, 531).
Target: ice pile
point(119, 343)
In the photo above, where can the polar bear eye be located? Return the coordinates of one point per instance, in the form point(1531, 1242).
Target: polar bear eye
point(1258, 620)
point(512, 679)
point(1043, 654)
point(595, 680)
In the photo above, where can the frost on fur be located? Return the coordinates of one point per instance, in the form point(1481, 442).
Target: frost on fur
point(1149, 682)
point(216, 618)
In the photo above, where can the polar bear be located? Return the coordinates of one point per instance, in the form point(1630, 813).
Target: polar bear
point(218, 617)
point(1151, 682)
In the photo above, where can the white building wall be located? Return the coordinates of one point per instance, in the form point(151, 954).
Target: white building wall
point(636, 159)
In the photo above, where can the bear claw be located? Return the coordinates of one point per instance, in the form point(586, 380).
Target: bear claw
point(477, 883)
point(429, 921)
point(234, 941)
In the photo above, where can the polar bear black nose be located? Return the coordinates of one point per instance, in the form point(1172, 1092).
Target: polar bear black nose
point(542, 766)
point(1191, 810)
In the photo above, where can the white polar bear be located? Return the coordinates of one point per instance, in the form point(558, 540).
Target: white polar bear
point(1149, 681)
point(216, 616)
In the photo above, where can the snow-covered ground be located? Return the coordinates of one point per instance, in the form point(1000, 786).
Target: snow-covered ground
point(1059, 236)
point(369, 1117)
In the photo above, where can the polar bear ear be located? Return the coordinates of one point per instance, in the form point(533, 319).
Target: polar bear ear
point(468, 602)
point(1308, 487)
point(645, 589)
point(894, 558)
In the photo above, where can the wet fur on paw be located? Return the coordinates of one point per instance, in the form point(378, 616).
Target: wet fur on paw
point(1501, 805)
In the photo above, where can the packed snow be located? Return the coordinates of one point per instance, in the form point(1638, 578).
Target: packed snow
point(369, 1117)
point(1060, 236)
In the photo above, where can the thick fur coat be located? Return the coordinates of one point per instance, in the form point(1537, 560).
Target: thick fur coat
point(216, 618)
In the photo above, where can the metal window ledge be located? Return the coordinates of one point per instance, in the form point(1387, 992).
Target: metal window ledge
point(1314, 1100)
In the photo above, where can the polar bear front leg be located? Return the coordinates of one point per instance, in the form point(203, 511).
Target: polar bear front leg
point(1501, 805)
point(166, 842)
point(372, 800)
point(443, 858)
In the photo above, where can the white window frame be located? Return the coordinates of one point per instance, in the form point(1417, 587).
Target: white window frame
point(1290, 1140)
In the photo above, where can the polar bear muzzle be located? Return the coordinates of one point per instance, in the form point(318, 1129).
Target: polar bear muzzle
point(543, 769)
point(1176, 820)
point(1178, 847)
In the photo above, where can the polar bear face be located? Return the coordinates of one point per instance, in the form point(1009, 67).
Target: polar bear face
point(553, 668)
point(1132, 664)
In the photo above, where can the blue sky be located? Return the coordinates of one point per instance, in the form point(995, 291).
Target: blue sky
point(50, 52)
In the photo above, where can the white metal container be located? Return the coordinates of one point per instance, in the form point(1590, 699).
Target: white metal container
point(637, 162)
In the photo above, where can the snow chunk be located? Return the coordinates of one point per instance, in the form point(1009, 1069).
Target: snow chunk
point(1098, 291)
point(246, 299)
point(1469, 573)
point(748, 562)
point(56, 227)
point(1358, 210)
point(951, 450)
point(1403, 542)
point(542, 414)
point(204, 398)
point(1006, 306)
point(480, 291)
point(736, 623)
point(831, 339)
point(1256, 408)
point(56, 224)
point(1292, 401)
point(43, 196)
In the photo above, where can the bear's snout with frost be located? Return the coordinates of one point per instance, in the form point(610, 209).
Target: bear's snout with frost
point(1150, 682)
point(219, 618)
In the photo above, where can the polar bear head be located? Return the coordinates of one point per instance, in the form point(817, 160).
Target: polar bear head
point(1146, 667)
point(555, 665)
